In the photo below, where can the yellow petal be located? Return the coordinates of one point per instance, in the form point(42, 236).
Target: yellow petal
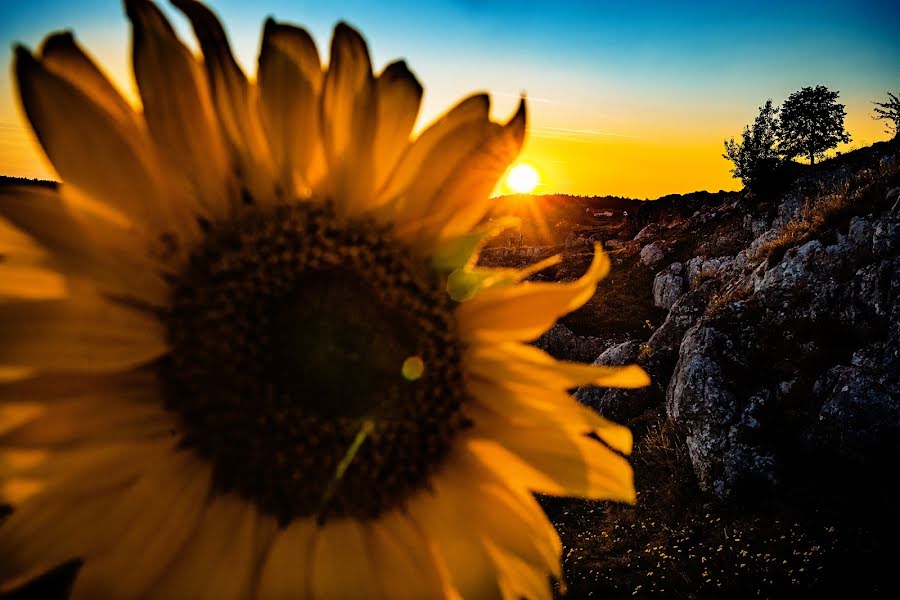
point(62, 55)
point(443, 514)
point(341, 566)
point(287, 569)
point(81, 138)
point(90, 501)
point(96, 249)
point(556, 462)
point(348, 121)
point(403, 561)
point(104, 416)
point(518, 578)
point(15, 414)
point(289, 82)
point(30, 283)
point(525, 311)
point(419, 203)
point(41, 536)
point(511, 361)
point(510, 404)
point(465, 199)
point(437, 148)
point(79, 334)
point(179, 111)
point(236, 102)
point(176, 495)
point(220, 559)
point(399, 95)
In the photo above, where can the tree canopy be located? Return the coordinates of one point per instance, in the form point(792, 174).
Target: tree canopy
point(755, 157)
point(889, 111)
point(811, 121)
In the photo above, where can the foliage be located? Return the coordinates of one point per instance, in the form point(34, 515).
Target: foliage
point(755, 157)
point(889, 111)
point(811, 122)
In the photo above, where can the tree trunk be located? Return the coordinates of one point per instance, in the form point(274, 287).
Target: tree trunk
point(812, 158)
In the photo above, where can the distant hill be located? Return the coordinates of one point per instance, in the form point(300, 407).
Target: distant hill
point(7, 181)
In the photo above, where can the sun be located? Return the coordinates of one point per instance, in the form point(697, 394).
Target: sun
point(522, 178)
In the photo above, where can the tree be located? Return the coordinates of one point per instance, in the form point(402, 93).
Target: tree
point(755, 157)
point(811, 122)
point(889, 111)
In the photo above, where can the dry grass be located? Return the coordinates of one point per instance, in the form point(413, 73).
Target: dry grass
point(727, 296)
point(702, 277)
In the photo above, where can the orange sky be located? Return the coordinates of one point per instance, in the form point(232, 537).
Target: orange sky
point(639, 120)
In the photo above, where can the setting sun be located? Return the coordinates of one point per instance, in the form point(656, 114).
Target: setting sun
point(522, 178)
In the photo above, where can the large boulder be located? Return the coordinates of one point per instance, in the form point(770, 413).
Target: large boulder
point(668, 285)
point(653, 254)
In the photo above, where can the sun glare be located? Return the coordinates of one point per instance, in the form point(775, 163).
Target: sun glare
point(522, 178)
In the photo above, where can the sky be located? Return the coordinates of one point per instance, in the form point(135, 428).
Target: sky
point(626, 98)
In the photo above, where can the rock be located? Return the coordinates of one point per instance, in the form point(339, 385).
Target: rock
point(652, 254)
point(574, 241)
point(650, 232)
point(561, 343)
point(860, 417)
point(668, 285)
point(615, 403)
point(682, 315)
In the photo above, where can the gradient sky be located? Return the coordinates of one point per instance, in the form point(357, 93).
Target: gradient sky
point(627, 98)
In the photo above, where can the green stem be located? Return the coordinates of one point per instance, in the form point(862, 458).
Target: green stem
point(364, 431)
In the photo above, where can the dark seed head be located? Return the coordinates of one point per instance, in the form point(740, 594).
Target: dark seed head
point(292, 331)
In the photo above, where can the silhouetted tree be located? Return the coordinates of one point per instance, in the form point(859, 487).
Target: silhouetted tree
point(889, 111)
point(811, 122)
point(755, 157)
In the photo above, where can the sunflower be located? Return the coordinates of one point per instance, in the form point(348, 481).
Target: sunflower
point(245, 347)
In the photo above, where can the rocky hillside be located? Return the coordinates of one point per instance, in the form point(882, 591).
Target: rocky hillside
point(771, 329)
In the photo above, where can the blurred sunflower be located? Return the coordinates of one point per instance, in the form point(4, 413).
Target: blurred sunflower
point(245, 350)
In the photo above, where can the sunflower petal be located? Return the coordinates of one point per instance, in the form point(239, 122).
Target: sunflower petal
point(79, 334)
point(553, 461)
point(81, 138)
point(439, 147)
point(465, 198)
point(442, 514)
point(236, 103)
point(403, 561)
point(176, 494)
point(341, 566)
point(510, 404)
point(95, 249)
point(287, 569)
point(290, 79)
point(525, 311)
point(30, 283)
point(348, 121)
point(81, 513)
point(61, 54)
point(517, 362)
point(224, 549)
point(399, 95)
point(178, 109)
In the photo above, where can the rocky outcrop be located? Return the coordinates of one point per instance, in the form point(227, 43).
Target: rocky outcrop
point(803, 371)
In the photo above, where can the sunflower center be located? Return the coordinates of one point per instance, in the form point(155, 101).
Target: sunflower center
point(314, 363)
